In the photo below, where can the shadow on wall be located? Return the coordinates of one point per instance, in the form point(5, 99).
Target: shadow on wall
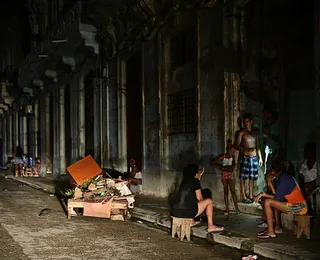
point(178, 161)
point(173, 191)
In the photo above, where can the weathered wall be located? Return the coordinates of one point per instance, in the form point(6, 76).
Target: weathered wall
point(211, 87)
point(199, 147)
point(182, 148)
point(111, 115)
point(302, 124)
point(151, 140)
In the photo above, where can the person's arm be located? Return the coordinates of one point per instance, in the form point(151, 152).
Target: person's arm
point(238, 143)
point(199, 195)
point(133, 181)
point(233, 162)
point(215, 163)
point(270, 184)
point(133, 177)
point(263, 195)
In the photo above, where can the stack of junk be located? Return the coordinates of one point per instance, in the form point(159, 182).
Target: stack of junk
point(95, 195)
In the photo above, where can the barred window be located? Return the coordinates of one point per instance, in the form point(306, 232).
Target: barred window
point(182, 109)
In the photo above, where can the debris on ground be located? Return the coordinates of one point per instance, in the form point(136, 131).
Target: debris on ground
point(250, 257)
point(44, 212)
point(98, 196)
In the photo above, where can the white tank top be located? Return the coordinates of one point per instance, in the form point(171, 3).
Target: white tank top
point(227, 161)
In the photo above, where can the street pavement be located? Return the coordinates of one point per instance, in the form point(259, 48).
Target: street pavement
point(25, 235)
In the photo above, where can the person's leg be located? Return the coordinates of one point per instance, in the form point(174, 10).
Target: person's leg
point(277, 217)
point(16, 170)
point(233, 194)
point(253, 175)
point(206, 205)
point(226, 193)
point(263, 210)
point(251, 185)
point(21, 169)
point(242, 190)
point(270, 205)
point(243, 177)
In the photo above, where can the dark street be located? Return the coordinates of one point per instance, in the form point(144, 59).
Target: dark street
point(25, 235)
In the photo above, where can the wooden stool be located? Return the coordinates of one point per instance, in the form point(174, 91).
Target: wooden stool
point(303, 225)
point(181, 226)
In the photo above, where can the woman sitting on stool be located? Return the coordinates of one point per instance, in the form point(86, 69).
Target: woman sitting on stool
point(189, 202)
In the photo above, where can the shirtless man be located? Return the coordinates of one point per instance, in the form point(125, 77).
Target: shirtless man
point(248, 145)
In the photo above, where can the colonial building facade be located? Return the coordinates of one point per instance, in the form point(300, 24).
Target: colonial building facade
point(164, 82)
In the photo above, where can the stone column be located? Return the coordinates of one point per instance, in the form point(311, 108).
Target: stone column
point(9, 135)
point(82, 140)
point(56, 132)
point(97, 103)
point(24, 135)
point(47, 133)
point(4, 141)
point(36, 129)
point(62, 146)
point(16, 130)
point(74, 110)
point(43, 135)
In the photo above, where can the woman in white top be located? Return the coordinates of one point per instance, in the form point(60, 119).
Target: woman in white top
point(225, 163)
point(308, 171)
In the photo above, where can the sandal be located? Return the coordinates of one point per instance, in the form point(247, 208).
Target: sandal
point(226, 212)
point(277, 231)
point(216, 229)
point(266, 236)
point(263, 225)
point(246, 201)
point(263, 232)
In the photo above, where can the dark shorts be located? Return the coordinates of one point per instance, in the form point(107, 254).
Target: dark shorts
point(185, 213)
point(249, 168)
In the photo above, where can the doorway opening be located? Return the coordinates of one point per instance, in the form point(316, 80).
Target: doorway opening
point(134, 107)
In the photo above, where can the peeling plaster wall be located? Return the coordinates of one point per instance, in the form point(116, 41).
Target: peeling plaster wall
point(182, 147)
point(151, 142)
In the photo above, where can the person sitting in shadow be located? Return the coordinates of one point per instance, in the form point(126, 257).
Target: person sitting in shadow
point(189, 202)
point(287, 198)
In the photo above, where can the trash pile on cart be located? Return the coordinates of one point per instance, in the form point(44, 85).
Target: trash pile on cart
point(96, 196)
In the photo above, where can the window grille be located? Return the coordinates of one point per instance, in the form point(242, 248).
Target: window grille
point(182, 116)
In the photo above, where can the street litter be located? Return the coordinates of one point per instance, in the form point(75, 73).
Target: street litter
point(45, 211)
point(96, 195)
point(250, 257)
point(140, 222)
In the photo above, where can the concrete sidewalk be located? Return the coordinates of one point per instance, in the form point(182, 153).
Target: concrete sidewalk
point(240, 230)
